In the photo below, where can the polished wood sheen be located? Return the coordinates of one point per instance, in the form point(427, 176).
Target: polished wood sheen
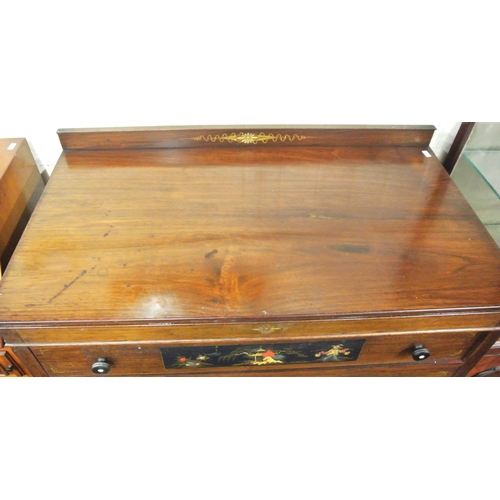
point(242, 136)
point(144, 239)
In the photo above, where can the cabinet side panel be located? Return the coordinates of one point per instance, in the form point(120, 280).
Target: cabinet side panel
point(20, 189)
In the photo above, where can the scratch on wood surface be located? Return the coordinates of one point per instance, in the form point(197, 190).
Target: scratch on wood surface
point(65, 287)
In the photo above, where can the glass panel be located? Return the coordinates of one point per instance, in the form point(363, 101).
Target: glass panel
point(477, 174)
point(485, 135)
point(477, 190)
point(487, 164)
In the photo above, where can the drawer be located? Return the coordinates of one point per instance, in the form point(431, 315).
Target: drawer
point(278, 356)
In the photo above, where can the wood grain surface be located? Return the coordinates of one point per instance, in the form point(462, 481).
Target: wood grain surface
point(183, 236)
point(228, 234)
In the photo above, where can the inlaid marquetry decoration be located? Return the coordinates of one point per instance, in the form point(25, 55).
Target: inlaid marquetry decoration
point(263, 354)
point(266, 329)
point(249, 138)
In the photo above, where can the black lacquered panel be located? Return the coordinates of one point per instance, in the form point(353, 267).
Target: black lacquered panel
point(262, 354)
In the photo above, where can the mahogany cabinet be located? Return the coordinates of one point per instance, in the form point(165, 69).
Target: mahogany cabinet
point(251, 251)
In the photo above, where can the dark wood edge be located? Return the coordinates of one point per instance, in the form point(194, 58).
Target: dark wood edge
point(7, 326)
point(29, 362)
point(479, 349)
point(458, 145)
point(247, 135)
point(300, 370)
point(10, 337)
point(243, 338)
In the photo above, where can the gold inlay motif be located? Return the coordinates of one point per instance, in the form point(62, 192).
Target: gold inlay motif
point(249, 138)
point(266, 329)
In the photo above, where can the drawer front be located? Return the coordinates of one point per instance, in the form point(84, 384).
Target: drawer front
point(252, 332)
point(256, 358)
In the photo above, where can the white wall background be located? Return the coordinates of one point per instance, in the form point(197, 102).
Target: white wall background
point(115, 63)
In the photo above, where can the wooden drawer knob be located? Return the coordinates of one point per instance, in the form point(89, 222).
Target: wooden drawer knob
point(101, 366)
point(420, 352)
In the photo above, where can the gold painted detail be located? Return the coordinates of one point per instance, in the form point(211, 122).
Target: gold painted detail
point(266, 329)
point(249, 138)
point(456, 354)
point(55, 370)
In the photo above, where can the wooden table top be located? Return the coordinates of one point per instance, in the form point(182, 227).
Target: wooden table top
point(238, 233)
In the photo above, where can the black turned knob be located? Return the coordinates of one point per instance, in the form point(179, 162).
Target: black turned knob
point(101, 366)
point(420, 352)
point(9, 369)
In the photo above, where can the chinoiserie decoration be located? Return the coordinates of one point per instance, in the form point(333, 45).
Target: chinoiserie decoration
point(261, 354)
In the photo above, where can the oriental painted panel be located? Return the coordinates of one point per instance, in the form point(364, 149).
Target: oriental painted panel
point(261, 354)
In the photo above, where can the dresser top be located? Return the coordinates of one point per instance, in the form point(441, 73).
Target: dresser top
point(232, 231)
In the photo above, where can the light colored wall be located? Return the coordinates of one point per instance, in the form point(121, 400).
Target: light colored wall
point(111, 64)
point(443, 138)
point(44, 143)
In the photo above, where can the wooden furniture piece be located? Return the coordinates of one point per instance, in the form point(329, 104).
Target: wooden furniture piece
point(21, 185)
point(218, 251)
